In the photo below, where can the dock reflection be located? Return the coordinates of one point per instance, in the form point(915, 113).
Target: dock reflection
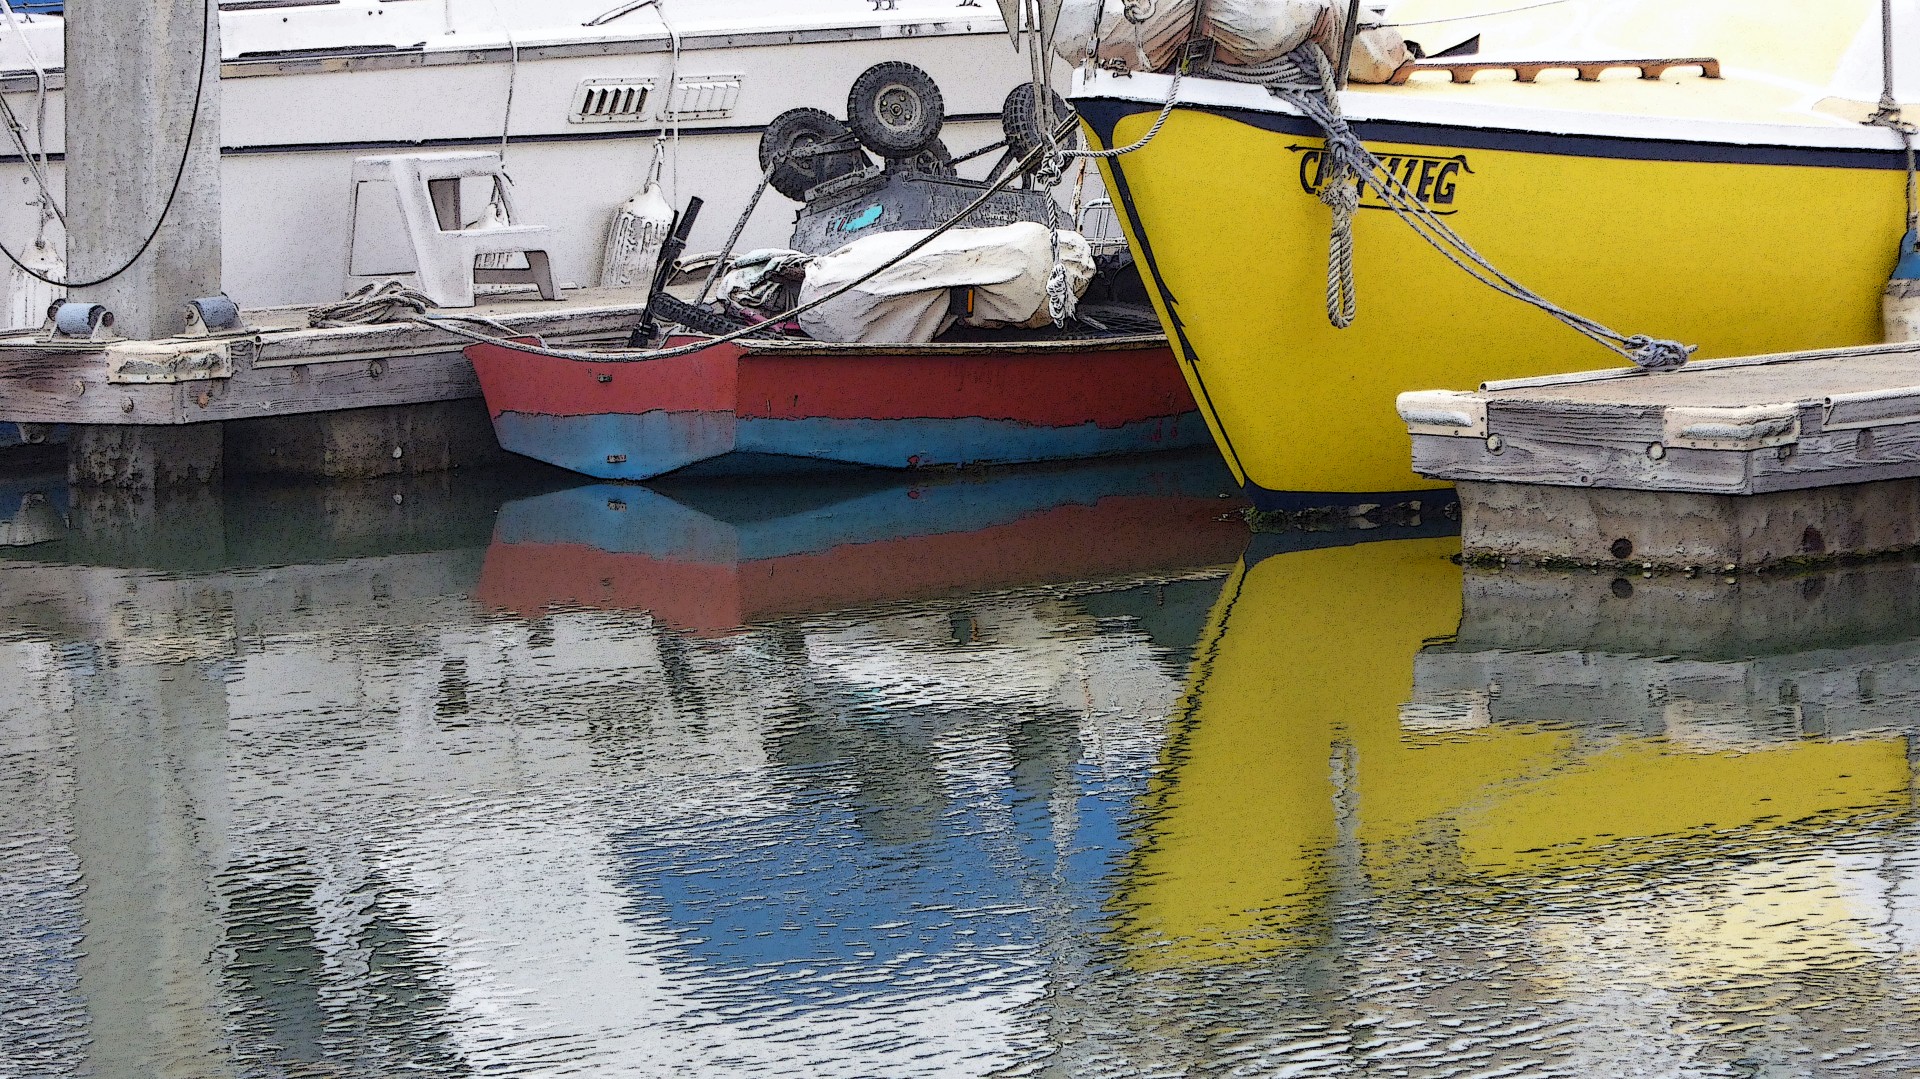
point(1413, 828)
point(405, 797)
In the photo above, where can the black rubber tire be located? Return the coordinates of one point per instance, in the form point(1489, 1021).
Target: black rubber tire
point(935, 160)
point(1016, 119)
point(895, 109)
point(804, 129)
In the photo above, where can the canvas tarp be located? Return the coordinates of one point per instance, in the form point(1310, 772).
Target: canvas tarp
point(1243, 31)
point(911, 303)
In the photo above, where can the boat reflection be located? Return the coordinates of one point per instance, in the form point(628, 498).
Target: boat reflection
point(711, 558)
point(1415, 826)
point(1300, 814)
point(390, 827)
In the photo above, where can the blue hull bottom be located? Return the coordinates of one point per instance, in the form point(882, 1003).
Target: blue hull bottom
point(628, 447)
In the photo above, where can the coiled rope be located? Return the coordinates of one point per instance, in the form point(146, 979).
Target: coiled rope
point(370, 306)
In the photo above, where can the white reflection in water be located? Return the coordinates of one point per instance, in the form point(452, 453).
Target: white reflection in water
point(1307, 816)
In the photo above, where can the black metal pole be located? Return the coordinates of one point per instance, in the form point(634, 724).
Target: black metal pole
point(1351, 31)
point(663, 270)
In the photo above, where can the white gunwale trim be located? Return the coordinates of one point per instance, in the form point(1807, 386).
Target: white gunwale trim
point(441, 52)
point(1821, 133)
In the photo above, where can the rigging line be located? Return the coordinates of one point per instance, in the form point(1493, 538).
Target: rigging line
point(1480, 15)
point(606, 17)
point(1889, 105)
point(179, 174)
point(513, 81)
point(1890, 115)
point(39, 168)
point(740, 226)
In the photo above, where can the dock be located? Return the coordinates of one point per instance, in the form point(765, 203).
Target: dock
point(1756, 463)
point(278, 397)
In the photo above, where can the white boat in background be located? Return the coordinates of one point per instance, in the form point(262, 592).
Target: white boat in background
point(583, 96)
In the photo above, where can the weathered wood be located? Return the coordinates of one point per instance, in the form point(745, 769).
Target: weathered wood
point(296, 370)
point(1574, 464)
point(1748, 426)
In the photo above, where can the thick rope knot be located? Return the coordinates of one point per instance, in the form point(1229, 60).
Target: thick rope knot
point(1654, 354)
point(1060, 299)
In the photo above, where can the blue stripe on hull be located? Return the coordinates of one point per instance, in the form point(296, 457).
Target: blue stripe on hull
point(626, 447)
point(923, 443)
point(618, 446)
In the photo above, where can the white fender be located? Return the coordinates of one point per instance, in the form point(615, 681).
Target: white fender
point(639, 230)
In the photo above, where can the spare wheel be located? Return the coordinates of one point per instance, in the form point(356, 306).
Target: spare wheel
point(1017, 119)
point(792, 144)
point(895, 109)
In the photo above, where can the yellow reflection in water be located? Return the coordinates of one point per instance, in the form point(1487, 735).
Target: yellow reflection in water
point(1297, 769)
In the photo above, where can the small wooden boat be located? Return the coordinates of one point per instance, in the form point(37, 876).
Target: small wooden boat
point(982, 388)
point(888, 406)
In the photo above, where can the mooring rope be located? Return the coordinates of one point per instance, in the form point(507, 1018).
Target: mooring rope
point(1350, 165)
point(1889, 115)
point(371, 305)
point(740, 226)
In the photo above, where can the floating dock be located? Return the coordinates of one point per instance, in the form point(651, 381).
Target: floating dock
point(342, 401)
point(1726, 465)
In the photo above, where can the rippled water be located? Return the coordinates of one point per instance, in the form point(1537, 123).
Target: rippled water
point(1023, 774)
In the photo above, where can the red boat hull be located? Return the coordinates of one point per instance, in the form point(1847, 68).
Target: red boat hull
point(886, 406)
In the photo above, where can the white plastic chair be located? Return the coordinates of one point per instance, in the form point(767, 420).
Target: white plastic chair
point(407, 221)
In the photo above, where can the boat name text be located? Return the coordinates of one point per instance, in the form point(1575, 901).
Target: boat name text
point(1435, 181)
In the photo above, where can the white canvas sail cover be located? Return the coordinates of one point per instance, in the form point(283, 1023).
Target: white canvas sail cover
point(911, 303)
point(1243, 31)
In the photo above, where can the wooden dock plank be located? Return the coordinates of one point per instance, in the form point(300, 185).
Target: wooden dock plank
point(1748, 462)
point(299, 370)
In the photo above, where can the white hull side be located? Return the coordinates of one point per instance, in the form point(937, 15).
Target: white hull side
point(291, 134)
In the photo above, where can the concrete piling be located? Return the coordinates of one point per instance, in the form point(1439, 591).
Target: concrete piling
point(143, 204)
point(143, 141)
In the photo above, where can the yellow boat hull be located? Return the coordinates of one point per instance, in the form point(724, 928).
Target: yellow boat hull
point(1736, 249)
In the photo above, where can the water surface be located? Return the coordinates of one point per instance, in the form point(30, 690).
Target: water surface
point(1034, 773)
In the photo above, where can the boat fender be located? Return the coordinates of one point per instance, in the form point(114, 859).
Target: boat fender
point(640, 229)
point(1900, 306)
point(28, 293)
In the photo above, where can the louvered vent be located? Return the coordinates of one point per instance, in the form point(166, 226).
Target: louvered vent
point(612, 101)
point(704, 97)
